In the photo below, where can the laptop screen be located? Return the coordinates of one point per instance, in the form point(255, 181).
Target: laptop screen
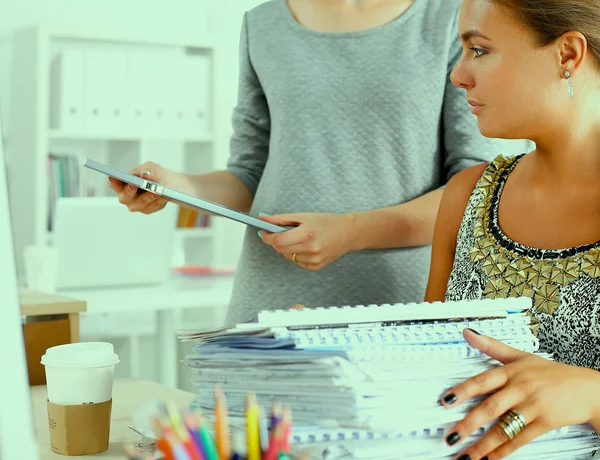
point(17, 434)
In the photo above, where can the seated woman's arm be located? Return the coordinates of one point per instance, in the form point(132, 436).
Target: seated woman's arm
point(549, 395)
point(452, 208)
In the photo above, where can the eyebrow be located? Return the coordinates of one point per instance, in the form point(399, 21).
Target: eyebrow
point(466, 36)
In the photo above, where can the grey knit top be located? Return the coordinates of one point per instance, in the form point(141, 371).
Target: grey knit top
point(340, 122)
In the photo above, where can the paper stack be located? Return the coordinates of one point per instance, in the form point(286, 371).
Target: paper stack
point(365, 381)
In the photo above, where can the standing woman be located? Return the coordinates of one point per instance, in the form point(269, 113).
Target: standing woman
point(346, 118)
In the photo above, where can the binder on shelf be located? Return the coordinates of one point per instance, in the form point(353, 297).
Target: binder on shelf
point(96, 94)
point(197, 77)
point(136, 106)
point(67, 82)
point(165, 110)
point(117, 116)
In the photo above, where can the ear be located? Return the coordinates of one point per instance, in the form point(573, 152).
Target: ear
point(572, 48)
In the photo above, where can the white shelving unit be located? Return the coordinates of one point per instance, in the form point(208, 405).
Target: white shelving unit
point(155, 110)
point(123, 131)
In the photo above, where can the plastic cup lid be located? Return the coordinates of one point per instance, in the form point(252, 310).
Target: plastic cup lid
point(84, 354)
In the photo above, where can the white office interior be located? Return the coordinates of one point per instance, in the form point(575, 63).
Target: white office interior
point(120, 83)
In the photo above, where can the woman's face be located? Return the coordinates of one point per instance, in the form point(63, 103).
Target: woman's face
point(514, 87)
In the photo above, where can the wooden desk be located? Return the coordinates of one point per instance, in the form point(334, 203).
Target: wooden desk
point(128, 396)
point(50, 320)
point(34, 303)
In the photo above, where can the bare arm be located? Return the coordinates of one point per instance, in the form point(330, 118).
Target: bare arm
point(403, 225)
point(221, 187)
point(452, 209)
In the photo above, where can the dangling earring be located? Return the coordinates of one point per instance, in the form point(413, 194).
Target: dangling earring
point(570, 84)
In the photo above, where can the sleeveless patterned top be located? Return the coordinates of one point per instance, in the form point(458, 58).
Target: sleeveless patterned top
point(564, 283)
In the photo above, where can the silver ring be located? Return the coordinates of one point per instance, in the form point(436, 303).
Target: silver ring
point(512, 424)
point(146, 173)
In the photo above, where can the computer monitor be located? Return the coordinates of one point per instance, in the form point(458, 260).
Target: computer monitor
point(17, 433)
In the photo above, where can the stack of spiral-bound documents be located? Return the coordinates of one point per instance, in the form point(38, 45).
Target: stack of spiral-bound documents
point(365, 381)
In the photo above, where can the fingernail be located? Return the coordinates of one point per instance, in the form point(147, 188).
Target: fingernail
point(464, 457)
point(450, 399)
point(260, 234)
point(474, 331)
point(263, 214)
point(453, 438)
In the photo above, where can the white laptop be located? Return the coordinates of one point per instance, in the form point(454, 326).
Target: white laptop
point(17, 435)
point(101, 244)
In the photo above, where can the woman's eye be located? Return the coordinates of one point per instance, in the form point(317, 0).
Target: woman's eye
point(477, 52)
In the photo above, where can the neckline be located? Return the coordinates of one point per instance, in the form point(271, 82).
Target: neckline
point(514, 246)
point(354, 34)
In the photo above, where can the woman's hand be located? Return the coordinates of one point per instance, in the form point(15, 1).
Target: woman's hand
point(138, 200)
point(318, 239)
point(548, 395)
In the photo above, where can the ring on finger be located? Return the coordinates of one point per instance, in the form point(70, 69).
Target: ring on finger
point(146, 173)
point(294, 258)
point(512, 424)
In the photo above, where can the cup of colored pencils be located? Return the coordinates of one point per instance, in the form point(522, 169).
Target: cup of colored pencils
point(185, 435)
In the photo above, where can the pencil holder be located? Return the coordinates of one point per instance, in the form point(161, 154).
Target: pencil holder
point(189, 435)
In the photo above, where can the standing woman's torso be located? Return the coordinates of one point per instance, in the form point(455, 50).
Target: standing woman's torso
point(355, 124)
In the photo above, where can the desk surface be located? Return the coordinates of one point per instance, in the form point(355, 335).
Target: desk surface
point(35, 303)
point(176, 293)
point(128, 396)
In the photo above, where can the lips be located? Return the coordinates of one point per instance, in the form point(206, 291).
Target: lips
point(475, 106)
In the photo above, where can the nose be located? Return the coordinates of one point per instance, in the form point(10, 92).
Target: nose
point(461, 76)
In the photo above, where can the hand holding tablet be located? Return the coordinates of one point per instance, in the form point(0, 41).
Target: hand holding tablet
point(159, 194)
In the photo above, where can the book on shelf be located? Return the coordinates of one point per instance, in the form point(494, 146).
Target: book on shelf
point(189, 218)
point(65, 180)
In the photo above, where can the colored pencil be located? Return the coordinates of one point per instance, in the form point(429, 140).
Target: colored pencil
point(252, 435)
point(222, 425)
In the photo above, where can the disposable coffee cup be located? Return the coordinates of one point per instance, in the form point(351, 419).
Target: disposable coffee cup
point(80, 373)
point(79, 378)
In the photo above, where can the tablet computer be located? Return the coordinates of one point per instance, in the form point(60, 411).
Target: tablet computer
point(194, 202)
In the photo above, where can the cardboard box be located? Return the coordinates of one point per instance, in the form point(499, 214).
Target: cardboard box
point(79, 430)
point(39, 336)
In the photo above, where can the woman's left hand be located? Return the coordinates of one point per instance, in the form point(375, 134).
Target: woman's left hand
point(318, 239)
point(548, 395)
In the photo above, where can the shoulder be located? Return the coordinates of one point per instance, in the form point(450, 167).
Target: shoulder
point(464, 182)
point(462, 185)
point(441, 13)
point(437, 22)
point(444, 9)
point(267, 21)
point(266, 10)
